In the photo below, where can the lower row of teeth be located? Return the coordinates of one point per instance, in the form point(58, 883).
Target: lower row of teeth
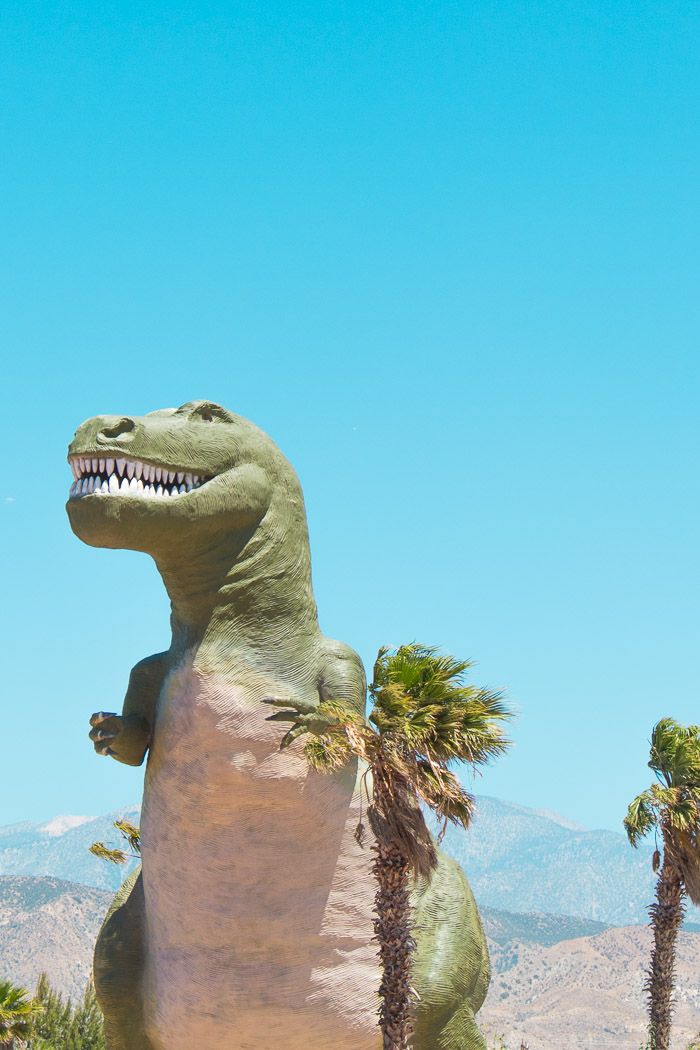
point(126, 487)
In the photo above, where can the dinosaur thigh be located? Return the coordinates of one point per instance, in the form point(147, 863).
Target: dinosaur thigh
point(118, 969)
point(451, 971)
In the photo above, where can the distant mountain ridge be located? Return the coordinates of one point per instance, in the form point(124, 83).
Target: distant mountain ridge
point(59, 848)
point(524, 860)
point(504, 927)
point(518, 860)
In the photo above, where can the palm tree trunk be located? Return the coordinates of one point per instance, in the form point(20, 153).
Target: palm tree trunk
point(666, 917)
point(392, 931)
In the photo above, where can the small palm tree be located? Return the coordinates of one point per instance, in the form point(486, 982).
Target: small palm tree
point(670, 807)
point(17, 1011)
point(425, 717)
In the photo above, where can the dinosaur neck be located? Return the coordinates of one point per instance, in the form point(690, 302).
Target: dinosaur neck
point(244, 591)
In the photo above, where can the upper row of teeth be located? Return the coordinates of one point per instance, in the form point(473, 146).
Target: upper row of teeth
point(133, 487)
point(131, 468)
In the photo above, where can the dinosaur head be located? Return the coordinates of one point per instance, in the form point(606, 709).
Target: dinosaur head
point(175, 480)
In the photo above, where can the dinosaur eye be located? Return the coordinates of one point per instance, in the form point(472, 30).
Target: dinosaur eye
point(208, 412)
point(205, 412)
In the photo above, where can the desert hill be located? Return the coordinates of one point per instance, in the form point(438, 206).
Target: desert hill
point(48, 924)
point(585, 994)
point(548, 989)
point(564, 910)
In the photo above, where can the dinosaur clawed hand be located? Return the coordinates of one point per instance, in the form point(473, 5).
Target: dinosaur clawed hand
point(305, 718)
point(106, 728)
point(126, 738)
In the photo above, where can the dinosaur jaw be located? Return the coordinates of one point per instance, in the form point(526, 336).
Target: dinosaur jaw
point(110, 476)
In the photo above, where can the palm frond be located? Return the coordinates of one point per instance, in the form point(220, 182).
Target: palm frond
point(420, 697)
point(114, 856)
point(326, 753)
point(130, 832)
point(396, 818)
point(672, 805)
point(17, 1011)
point(641, 818)
point(425, 717)
point(683, 847)
point(675, 752)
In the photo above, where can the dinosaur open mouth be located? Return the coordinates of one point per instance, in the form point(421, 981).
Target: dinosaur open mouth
point(129, 477)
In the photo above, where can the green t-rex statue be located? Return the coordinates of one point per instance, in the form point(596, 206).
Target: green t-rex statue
point(250, 924)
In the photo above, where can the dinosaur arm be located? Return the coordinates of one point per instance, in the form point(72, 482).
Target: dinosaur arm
point(127, 737)
point(343, 676)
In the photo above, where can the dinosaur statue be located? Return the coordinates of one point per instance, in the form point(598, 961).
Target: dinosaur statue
point(249, 926)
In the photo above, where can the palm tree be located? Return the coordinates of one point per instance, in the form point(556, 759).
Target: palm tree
point(670, 807)
point(17, 1012)
point(425, 717)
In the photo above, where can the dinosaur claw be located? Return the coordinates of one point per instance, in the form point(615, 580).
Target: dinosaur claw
point(291, 736)
point(100, 716)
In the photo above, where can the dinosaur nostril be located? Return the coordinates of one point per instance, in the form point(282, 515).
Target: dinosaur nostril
point(119, 429)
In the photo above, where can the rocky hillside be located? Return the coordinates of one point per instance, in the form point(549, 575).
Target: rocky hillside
point(585, 994)
point(48, 924)
point(502, 927)
point(548, 989)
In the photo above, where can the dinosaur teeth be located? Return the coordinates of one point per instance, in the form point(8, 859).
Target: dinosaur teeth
point(129, 477)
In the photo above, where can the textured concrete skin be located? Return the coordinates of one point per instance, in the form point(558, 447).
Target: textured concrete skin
point(249, 927)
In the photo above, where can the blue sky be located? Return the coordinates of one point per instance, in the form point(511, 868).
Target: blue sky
point(447, 256)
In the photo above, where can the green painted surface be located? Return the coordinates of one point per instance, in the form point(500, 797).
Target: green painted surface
point(221, 511)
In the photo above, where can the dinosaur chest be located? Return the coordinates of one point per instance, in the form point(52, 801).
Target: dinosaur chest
point(253, 880)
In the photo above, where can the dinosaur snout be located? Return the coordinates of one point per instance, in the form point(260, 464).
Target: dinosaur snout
point(116, 428)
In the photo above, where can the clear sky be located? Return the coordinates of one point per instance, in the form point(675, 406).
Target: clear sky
point(446, 254)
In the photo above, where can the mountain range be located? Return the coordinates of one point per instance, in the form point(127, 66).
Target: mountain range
point(525, 860)
point(517, 860)
point(564, 911)
point(557, 981)
point(59, 848)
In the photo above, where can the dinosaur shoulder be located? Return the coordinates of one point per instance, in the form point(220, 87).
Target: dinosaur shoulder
point(342, 675)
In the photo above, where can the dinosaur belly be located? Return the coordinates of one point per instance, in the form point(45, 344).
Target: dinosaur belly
point(258, 898)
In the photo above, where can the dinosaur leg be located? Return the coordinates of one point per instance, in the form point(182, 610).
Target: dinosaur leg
point(118, 969)
point(451, 969)
point(461, 1032)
